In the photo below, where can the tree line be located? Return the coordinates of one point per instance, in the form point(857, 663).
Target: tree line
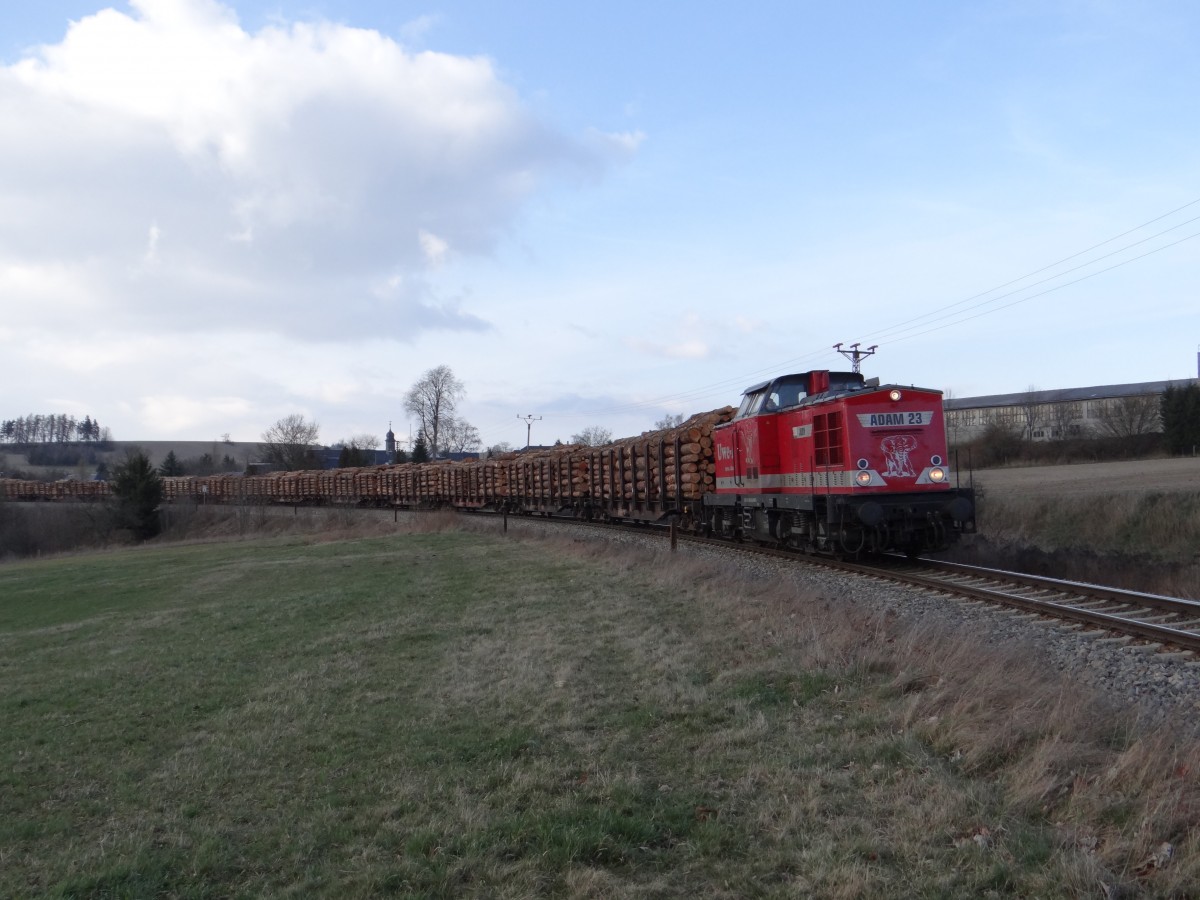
point(52, 429)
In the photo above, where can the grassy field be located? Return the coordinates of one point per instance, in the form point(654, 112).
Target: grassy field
point(449, 713)
point(1133, 524)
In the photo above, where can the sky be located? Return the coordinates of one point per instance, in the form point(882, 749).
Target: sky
point(217, 213)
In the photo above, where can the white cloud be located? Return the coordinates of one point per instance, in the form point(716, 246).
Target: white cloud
point(290, 168)
point(748, 325)
point(434, 247)
point(617, 144)
point(188, 414)
point(152, 238)
point(416, 30)
point(687, 348)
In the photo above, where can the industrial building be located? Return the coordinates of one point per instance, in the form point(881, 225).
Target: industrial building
point(1114, 410)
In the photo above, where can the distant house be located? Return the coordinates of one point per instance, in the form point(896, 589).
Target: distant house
point(1114, 409)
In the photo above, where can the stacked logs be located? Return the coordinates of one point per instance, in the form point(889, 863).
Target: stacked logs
point(657, 467)
point(676, 462)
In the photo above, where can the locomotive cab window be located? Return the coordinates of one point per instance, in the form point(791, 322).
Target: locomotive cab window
point(750, 404)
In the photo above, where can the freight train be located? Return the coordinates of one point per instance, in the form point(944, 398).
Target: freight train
point(819, 461)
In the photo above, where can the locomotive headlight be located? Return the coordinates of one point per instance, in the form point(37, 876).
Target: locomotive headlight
point(937, 474)
point(895, 395)
point(862, 479)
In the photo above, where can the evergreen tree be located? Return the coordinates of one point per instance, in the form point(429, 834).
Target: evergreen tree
point(171, 465)
point(420, 452)
point(351, 456)
point(138, 491)
point(1181, 418)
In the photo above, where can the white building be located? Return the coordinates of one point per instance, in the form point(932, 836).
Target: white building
point(1116, 410)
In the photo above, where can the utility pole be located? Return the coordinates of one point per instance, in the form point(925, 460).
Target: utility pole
point(529, 420)
point(855, 355)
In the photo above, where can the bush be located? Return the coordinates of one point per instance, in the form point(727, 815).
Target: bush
point(37, 529)
point(999, 447)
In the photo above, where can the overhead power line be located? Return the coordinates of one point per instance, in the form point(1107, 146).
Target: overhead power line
point(947, 316)
point(901, 330)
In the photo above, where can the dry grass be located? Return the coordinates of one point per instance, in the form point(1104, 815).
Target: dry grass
point(1162, 526)
point(1144, 542)
point(1120, 806)
point(440, 713)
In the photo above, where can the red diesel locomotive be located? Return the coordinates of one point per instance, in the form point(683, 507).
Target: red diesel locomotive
point(829, 461)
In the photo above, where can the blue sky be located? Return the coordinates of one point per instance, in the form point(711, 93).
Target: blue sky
point(220, 213)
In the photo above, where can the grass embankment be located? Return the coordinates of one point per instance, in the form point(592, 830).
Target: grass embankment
point(463, 713)
point(1146, 541)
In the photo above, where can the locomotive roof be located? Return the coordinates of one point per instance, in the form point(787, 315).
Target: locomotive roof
point(805, 389)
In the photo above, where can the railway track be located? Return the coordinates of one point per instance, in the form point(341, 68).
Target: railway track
point(1170, 622)
point(1158, 621)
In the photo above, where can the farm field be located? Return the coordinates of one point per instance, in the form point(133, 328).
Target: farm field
point(462, 713)
point(1132, 524)
point(1176, 475)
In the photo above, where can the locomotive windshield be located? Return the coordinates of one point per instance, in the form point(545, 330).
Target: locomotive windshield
point(791, 390)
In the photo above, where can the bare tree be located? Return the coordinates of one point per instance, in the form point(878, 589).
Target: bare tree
point(432, 401)
point(1063, 421)
point(1033, 412)
point(1131, 416)
point(593, 436)
point(291, 443)
point(670, 420)
point(460, 436)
